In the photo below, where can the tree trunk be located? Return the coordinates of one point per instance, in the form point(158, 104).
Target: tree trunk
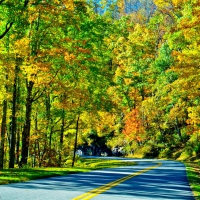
point(27, 125)
point(61, 138)
point(36, 141)
point(75, 142)
point(19, 126)
point(17, 145)
point(3, 131)
point(13, 123)
point(50, 138)
point(48, 127)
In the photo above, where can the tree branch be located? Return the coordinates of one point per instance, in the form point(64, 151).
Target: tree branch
point(8, 26)
point(26, 3)
point(34, 96)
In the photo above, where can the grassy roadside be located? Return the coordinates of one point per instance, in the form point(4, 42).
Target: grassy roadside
point(83, 165)
point(193, 174)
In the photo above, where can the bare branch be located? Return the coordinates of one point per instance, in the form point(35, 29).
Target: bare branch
point(8, 26)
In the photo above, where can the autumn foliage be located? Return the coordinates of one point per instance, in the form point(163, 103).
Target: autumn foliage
point(127, 71)
point(134, 128)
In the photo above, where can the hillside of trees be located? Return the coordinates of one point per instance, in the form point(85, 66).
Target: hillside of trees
point(73, 72)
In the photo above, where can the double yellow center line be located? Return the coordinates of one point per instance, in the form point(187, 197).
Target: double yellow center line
point(99, 190)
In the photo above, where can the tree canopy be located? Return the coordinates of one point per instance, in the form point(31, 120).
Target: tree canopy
point(105, 73)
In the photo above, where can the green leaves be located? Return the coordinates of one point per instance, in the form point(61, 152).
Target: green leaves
point(78, 61)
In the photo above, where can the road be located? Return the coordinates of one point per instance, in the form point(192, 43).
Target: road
point(150, 179)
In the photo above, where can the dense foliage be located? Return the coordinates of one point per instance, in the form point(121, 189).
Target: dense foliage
point(125, 73)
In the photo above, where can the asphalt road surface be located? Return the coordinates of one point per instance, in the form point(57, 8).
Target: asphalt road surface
point(150, 179)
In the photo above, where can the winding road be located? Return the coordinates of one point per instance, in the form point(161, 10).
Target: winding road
point(149, 179)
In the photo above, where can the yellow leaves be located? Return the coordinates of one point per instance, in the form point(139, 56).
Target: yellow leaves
point(188, 57)
point(106, 121)
point(141, 36)
point(128, 81)
point(57, 1)
point(120, 3)
point(189, 34)
point(178, 111)
point(21, 47)
point(2, 47)
point(177, 3)
point(107, 40)
point(121, 6)
point(110, 41)
point(194, 115)
point(162, 3)
point(138, 31)
point(69, 4)
point(36, 71)
point(121, 40)
point(119, 72)
point(30, 70)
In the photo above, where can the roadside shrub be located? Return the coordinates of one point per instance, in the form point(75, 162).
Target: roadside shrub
point(184, 156)
point(165, 153)
point(197, 150)
point(143, 151)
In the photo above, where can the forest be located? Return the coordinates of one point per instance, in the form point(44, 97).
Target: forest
point(117, 73)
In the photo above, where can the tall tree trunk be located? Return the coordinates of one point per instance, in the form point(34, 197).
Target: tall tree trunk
point(50, 137)
point(75, 142)
point(13, 122)
point(27, 125)
point(3, 131)
point(36, 140)
point(48, 127)
point(19, 127)
point(61, 138)
point(18, 144)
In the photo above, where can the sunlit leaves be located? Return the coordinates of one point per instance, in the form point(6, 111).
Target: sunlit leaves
point(162, 3)
point(69, 4)
point(131, 76)
point(134, 128)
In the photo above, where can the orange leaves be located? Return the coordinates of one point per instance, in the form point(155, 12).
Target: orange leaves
point(33, 17)
point(82, 50)
point(133, 125)
point(69, 57)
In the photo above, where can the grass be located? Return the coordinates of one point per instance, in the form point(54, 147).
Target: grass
point(193, 174)
point(82, 165)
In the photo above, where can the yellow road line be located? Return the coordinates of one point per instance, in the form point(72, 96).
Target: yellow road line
point(101, 189)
